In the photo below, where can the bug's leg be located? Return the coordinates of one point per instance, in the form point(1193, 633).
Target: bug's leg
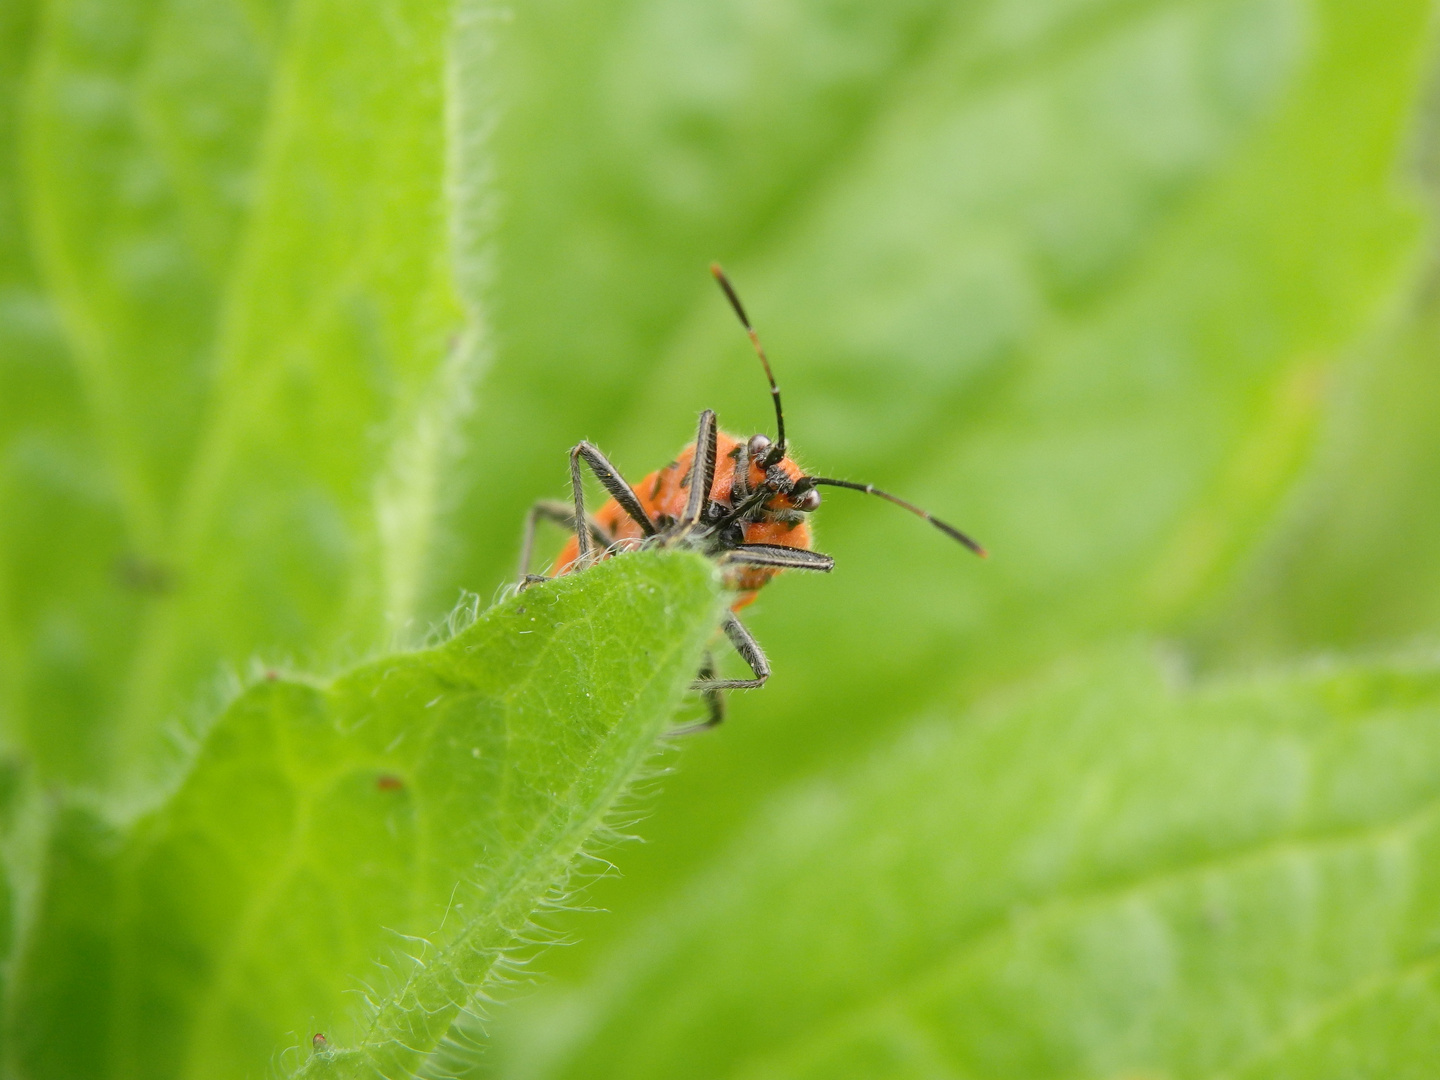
point(749, 650)
point(702, 470)
point(780, 557)
point(711, 687)
point(714, 702)
point(613, 482)
point(561, 514)
point(747, 507)
point(740, 482)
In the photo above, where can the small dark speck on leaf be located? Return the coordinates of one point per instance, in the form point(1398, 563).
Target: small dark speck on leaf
point(519, 611)
point(318, 1040)
point(387, 782)
point(271, 675)
point(142, 575)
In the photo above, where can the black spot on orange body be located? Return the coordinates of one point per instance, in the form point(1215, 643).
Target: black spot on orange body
point(664, 498)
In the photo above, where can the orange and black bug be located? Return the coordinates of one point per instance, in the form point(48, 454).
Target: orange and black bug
point(748, 511)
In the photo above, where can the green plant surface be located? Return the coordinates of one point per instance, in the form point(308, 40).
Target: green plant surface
point(357, 857)
point(1138, 291)
point(1353, 563)
point(241, 270)
point(1072, 275)
point(1107, 875)
point(7, 927)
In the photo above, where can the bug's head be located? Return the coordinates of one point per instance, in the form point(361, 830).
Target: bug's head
point(785, 478)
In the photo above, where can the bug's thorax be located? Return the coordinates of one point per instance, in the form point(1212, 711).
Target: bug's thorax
point(664, 492)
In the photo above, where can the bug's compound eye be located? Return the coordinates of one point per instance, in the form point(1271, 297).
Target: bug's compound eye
point(759, 446)
point(806, 502)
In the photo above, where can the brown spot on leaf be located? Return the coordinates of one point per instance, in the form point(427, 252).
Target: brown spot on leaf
point(142, 575)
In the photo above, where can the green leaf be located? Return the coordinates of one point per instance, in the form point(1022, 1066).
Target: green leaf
point(253, 225)
point(1106, 876)
point(1352, 562)
point(359, 857)
point(7, 903)
point(59, 611)
point(65, 971)
point(1068, 274)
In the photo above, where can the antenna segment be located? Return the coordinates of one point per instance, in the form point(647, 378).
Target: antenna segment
point(870, 489)
point(777, 452)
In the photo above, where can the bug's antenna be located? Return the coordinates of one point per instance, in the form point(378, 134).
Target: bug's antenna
point(807, 482)
point(778, 451)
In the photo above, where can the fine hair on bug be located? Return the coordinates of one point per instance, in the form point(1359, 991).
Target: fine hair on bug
point(743, 502)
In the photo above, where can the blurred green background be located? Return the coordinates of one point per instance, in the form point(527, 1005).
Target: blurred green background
point(302, 303)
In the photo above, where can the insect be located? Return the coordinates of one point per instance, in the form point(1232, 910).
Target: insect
point(744, 502)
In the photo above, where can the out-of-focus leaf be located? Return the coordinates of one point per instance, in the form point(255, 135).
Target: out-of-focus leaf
point(66, 968)
point(61, 616)
point(356, 858)
point(252, 223)
point(1072, 281)
point(9, 777)
point(1103, 877)
point(1353, 562)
